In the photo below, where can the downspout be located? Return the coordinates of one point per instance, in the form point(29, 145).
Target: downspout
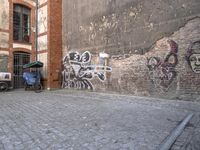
point(36, 30)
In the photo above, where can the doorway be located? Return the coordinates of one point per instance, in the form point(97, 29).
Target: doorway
point(20, 59)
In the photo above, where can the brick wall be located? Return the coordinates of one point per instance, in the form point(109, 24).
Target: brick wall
point(50, 41)
point(42, 24)
point(7, 45)
point(54, 43)
point(161, 77)
point(147, 43)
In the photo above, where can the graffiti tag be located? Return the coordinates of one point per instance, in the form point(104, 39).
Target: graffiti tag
point(78, 71)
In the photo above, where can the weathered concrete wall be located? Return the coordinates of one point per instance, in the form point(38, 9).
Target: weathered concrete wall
point(147, 42)
point(123, 26)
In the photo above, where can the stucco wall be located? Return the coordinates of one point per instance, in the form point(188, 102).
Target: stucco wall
point(4, 13)
point(4, 35)
point(147, 43)
point(4, 23)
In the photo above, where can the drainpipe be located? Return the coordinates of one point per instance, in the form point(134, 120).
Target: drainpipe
point(36, 30)
point(170, 140)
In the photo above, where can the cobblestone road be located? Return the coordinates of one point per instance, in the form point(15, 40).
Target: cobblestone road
point(74, 120)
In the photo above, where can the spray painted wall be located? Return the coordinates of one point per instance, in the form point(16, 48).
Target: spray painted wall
point(147, 41)
point(79, 71)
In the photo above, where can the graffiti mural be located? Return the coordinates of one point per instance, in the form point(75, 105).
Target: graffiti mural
point(78, 71)
point(193, 56)
point(162, 72)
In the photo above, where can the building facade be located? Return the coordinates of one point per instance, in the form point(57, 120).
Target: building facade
point(27, 35)
point(17, 38)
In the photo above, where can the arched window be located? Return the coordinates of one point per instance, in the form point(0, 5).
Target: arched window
point(21, 23)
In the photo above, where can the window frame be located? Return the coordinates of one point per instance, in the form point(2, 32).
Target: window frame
point(21, 27)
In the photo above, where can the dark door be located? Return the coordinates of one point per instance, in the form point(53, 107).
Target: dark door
point(20, 59)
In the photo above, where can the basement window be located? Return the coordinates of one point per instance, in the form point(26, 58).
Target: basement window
point(21, 23)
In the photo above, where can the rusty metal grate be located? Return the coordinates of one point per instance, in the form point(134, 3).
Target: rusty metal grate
point(20, 59)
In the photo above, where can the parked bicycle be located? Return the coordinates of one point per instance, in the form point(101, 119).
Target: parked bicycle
point(33, 78)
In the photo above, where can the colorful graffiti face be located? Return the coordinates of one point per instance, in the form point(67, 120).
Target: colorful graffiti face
point(162, 73)
point(193, 56)
point(78, 71)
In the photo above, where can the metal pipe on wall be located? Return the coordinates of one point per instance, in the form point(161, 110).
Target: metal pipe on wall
point(36, 30)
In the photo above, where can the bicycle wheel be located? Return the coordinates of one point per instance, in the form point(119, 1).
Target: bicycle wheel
point(37, 87)
point(25, 86)
point(3, 86)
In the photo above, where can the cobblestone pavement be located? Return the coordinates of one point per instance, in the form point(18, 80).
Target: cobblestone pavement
point(73, 120)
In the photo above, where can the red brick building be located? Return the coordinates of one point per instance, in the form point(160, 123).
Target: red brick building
point(20, 21)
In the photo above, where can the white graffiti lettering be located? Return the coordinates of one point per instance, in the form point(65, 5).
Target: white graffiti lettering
point(78, 71)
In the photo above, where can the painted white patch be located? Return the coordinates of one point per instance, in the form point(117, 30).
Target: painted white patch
point(42, 43)
point(40, 2)
point(17, 45)
point(42, 20)
point(43, 58)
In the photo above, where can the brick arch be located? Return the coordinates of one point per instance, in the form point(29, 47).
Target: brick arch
point(24, 3)
point(20, 50)
point(24, 50)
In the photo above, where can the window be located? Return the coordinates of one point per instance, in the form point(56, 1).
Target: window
point(21, 23)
